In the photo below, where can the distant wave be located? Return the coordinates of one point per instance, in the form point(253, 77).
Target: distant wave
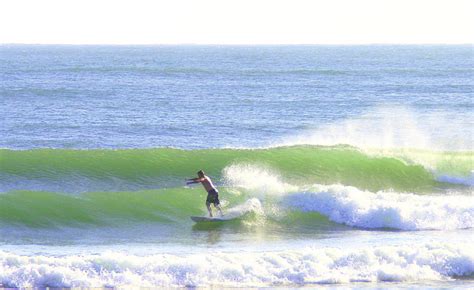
point(404, 263)
point(157, 69)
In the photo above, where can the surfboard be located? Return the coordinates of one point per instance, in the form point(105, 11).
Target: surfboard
point(198, 219)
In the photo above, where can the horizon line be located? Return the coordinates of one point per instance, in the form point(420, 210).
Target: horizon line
point(242, 44)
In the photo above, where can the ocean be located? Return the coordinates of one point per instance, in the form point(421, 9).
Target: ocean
point(341, 166)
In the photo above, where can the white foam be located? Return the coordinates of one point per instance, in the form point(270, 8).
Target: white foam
point(405, 211)
point(252, 205)
point(351, 206)
point(256, 178)
point(239, 269)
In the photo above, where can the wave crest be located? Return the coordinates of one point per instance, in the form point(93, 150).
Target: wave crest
point(404, 211)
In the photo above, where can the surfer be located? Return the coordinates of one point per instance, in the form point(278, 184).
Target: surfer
point(212, 193)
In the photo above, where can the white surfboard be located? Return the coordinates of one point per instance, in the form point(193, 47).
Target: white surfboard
point(208, 219)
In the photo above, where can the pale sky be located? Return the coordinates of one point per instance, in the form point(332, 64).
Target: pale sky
point(236, 21)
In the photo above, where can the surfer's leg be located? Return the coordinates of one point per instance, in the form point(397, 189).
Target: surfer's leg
point(218, 206)
point(208, 205)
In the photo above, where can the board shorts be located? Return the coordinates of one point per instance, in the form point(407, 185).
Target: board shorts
point(213, 197)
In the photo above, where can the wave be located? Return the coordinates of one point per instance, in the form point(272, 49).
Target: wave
point(351, 188)
point(170, 70)
point(403, 263)
point(49, 209)
point(66, 170)
point(401, 211)
point(315, 207)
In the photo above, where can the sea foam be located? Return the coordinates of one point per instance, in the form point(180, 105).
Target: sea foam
point(359, 208)
point(405, 211)
point(406, 263)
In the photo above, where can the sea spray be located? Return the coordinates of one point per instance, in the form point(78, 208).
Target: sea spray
point(390, 127)
point(258, 179)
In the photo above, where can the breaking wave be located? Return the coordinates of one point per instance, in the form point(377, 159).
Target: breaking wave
point(136, 169)
point(404, 263)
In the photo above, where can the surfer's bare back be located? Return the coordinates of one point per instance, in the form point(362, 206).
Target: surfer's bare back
point(212, 193)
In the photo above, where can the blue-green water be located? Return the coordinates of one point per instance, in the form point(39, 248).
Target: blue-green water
point(342, 164)
point(210, 96)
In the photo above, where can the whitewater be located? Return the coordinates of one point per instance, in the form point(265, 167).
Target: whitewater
point(341, 166)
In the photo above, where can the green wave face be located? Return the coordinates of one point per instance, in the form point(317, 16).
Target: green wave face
point(41, 209)
point(45, 209)
point(296, 165)
point(290, 171)
point(37, 209)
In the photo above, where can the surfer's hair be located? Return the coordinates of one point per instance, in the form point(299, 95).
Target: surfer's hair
point(200, 172)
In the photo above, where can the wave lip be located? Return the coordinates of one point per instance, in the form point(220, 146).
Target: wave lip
point(408, 263)
point(403, 211)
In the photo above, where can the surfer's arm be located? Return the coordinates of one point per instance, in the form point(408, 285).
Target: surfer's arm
point(194, 180)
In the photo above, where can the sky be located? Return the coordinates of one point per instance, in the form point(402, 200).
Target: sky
point(237, 21)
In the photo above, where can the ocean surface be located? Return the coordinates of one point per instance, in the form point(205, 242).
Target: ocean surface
point(340, 166)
